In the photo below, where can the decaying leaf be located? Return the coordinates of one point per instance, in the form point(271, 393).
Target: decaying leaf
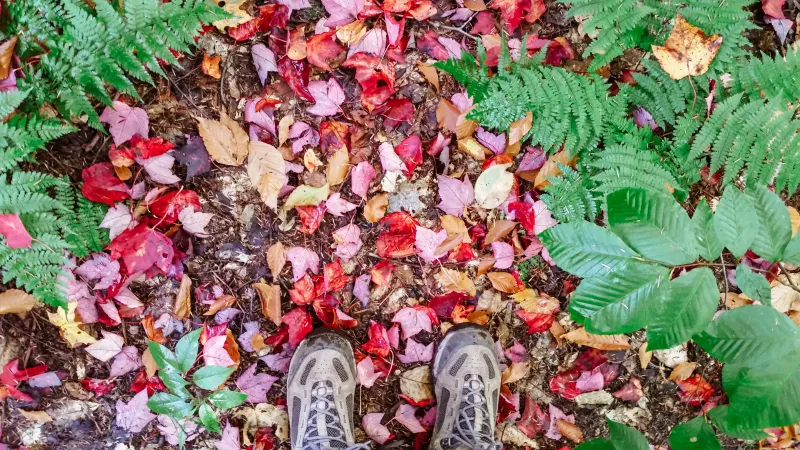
point(515, 372)
point(270, 296)
point(644, 356)
point(267, 172)
point(264, 415)
point(570, 431)
point(795, 217)
point(416, 384)
point(682, 371)
point(183, 300)
point(376, 207)
point(239, 16)
point(454, 281)
point(71, 330)
point(16, 301)
point(688, 51)
point(225, 141)
point(210, 66)
point(36, 416)
point(276, 258)
point(284, 125)
point(601, 342)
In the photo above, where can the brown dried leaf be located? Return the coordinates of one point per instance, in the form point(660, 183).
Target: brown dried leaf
point(682, 371)
point(270, 296)
point(375, 208)
point(557, 331)
point(36, 416)
point(475, 5)
point(276, 258)
point(225, 140)
point(338, 165)
point(550, 169)
point(447, 115)
point(16, 301)
point(454, 281)
point(519, 129)
point(733, 300)
point(285, 123)
point(644, 356)
point(430, 74)
point(6, 54)
point(153, 333)
point(222, 302)
point(210, 66)
point(498, 231)
point(795, 217)
point(416, 384)
point(470, 146)
point(515, 372)
point(450, 243)
point(183, 300)
point(267, 172)
point(688, 51)
point(570, 431)
point(455, 226)
point(611, 342)
point(504, 282)
point(150, 365)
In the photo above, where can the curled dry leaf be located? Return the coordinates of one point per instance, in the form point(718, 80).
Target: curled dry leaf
point(376, 207)
point(16, 301)
point(276, 258)
point(610, 342)
point(225, 141)
point(221, 303)
point(283, 128)
point(688, 51)
point(183, 300)
point(570, 431)
point(454, 281)
point(267, 172)
point(270, 296)
point(682, 371)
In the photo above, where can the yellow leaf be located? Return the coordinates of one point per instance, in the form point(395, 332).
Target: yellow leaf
point(71, 330)
point(276, 259)
point(455, 281)
point(283, 129)
point(36, 416)
point(267, 172)
point(795, 217)
point(6, 54)
point(270, 296)
point(688, 51)
point(520, 128)
point(225, 140)
point(473, 148)
point(416, 384)
point(610, 342)
point(210, 66)
point(455, 226)
point(311, 161)
point(504, 282)
point(493, 186)
point(682, 371)
point(515, 372)
point(375, 208)
point(183, 300)
point(338, 165)
point(550, 169)
point(16, 301)
point(351, 33)
point(430, 74)
point(240, 16)
point(306, 195)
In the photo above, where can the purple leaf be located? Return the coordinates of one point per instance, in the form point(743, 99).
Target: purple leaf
point(279, 362)
point(302, 259)
point(405, 415)
point(494, 142)
point(348, 241)
point(245, 339)
point(126, 361)
point(361, 289)
point(373, 42)
point(101, 267)
point(264, 60)
point(194, 156)
point(134, 415)
point(342, 12)
point(426, 241)
point(125, 122)
point(327, 97)
point(503, 255)
point(389, 159)
point(264, 118)
point(338, 206)
point(255, 386)
point(533, 159)
point(455, 194)
point(416, 352)
point(230, 439)
point(412, 321)
point(160, 168)
point(45, 380)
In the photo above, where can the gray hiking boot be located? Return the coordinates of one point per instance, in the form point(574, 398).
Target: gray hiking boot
point(467, 386)
point(322, 383)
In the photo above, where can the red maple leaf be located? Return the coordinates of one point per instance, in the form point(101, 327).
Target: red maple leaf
point(396, 111)
point(11, 377)
point(296, 74)
point(169, 206)
point(523, 213)
point(410, 151)
point(381, 274)
point(310, 217)
point(399, 239)
point(141, 248)
point(565, 383)
point(533, 420)
point(334, 135)
point(323, 48)
point(378, 343)
point(376, 77)
point(101, 185)
point(298, 322)
point(303, 292)
point(443, 305)
point(695, 390)
point(100, 387)
point(512, 11)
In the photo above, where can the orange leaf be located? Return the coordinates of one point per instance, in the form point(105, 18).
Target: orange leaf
point(153, 333)
point(505, 282)
point(550, 169)
point(611, 342)
point(183, 300)
point(220, 303)
point(688, 51)
point(498, 231)
point(430, 74)
point(682, 371)
point(276, 258)
point(376, 207)
point(570, 431)
point(6, 53)
point(270, 296)
point(519, 129)
point(210, 66)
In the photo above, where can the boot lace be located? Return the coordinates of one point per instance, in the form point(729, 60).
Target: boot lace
point(334, 436)
point(473, 428)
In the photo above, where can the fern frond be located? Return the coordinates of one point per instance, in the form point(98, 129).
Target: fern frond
point(471, 73)
point(768, 77)
point(620, 166)
point(570, 196)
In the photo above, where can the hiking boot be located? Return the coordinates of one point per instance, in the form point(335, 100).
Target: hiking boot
point(467, 386)
point(321, 387)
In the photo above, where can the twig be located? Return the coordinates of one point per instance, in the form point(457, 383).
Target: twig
point(458, 30)
point(724, 277)
point(788, 278)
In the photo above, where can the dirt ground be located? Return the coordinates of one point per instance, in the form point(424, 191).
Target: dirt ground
point(235, 257)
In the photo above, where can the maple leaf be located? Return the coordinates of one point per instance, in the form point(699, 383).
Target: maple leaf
point(342, 12)
point(416, 352)
point(427, 241)
point(381, 274)
point(695, 390)
point(141, 248)
point(348, 241)
point(773, 8)
point(302, 259)
point(412, 320)
point(194, 222)
point(310, 217)
point(215, 353)
point(455, 194)
point(688, 51)
point(296, 74)
point(378, 343)
point(366, 374)
point(533, 420)
point(255, 386)
point(101, 185)
point(106, 348)
point(503, 255)
point(160, 168)
point(327, 97)
point(322, 48)
point(14, 232)
point(299, 323)
point(361, 289)
point(429, 44)
point(631, 391)
point(512, 11)
point(410, 151)
point(405, 415)
point(127, 360)
point(134, 415)
point(399, 239)
point(125, 122)
point(169, 206)
point(116, 220)
point(371, 423)
point(338, 206)
point(230, 438)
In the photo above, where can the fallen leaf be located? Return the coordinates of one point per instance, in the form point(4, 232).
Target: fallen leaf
point(270, 297)
point(125, 121)
point(134, 416)
point(550, 169)
point(688, 51)
point(795, 218)
point(256, 386)
point(430, 73)
point(773, 8)
point(473, 148)
point(631, 391)
point(416, 384)
point(299, 323)
point(264, 60)
point(338, 206)
point(222, 302)
point(366, 374)
point(644, 356)
point(455, 194)
point(371, 423)
point(682, 371)
point(305, 195)
point(126, 361)
point(376, 207)
point(150, 365)
point(116, 220)
point(302, 260)
point(505, 282)
point(238, 16)
point(498, 231)
point(570, 431)
point(493, 186)
point(70, 329)
point(360, 178)
point(327, 97)
point(16, 301)
point(454, 281)
point(406, 416)
point(416, 352)
point(515, 372)
point(297, 43)
point(267, 172)
point(210, 66)
point(412, 320)
point(183, 299)
point(106, 348)
point(101, 185)
point(518, 129)
point(322, 48)
point(193, 222)
point(338, 166)
point(36, 416)
point(455, 226)
point(225, 141)
point(230, 438)
point(606, 342)
point(276, 259)
point(6, 54)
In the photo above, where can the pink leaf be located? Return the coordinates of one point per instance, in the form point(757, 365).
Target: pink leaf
point(45, 380)
point(168, 427)
point(389, 159)
point(245, 339)
point(371, 423)
point(125, 122)
point(394, 336)
point(516, 353)
point(455, 194)
point(533, 159)
point(342, 12)
point(416, 352)
point(427, 241)
point(214, 353)
point(264, 60)
point(631, 392)
point(494, 142)
point(264, 119)
point(348, 241)
point(116, 220)
point(294, 5)
point(279, 362)
point(106, 348)
point(160, 168)
point(255, 386)
point(102, 268)
point(126, 361)
point(503, 255)
point(338, 206)
point(533, 420)
point(373, 43)
point(360, 178)
point(134, 415)
point(14, 231)
point(366, 374)
point(412, 321)
point(544, 219)
point(195, 222)
point(394, 28)
point(590, 381)
point(327, 97)
point(302, 259)
point(556, 415)
point(304, 135)
point(230, 438)
point(454, 49)
point(405, 416)
point(361, 289)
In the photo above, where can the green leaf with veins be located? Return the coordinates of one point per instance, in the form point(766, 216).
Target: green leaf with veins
point(162, 355)
point(170, 405)
point(692, 301)
point(620, 302)
point(621, 437)
point(186, 350)
point(174, 382)
point(652, 224)
point(775, 225)
point(719, 417)
point(695, 434)
point(226, 399)
point(210, 377)
point(754, 285)
point(792, 252)
point(736, 221)
point(708, 244)
point(208, 418)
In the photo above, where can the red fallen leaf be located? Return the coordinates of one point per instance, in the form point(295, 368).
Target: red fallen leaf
point(332, 279)
point(396, 52)
point(333, 136)
point(384, 367)
point(264, 440)
point(537, 322)
point(773, 8)
point(590, 360)
point(101, 185)
point(382, 273)
point(138, 148)
point(695, 390)
point(279, 338)
point(419, 404)
point(484, 24)
point(394, 28)
point(421, 440)
point(609, 371)
point(443, 305)
point(303, 292)
point(99, 387)
point(244, 31)
point(710, 179)
point(11, 376)
point(422, 10)
point(568, 287)
point(410, 151)
point(210, 331)
point(524, 214)
point(533, 421)
point(397, 6)
point(378, 343)
point(274, 15)
point(169, 206)
point(558, 49)
point(400, 222)
point(512, 11)
point(631, 392)
point(298, 322)
point(438, 144)
point(311, 217)
point(141, 248)
point(477, 233)
point(461, 253)
point(564, 383)
point(141, 382)
point(429, 44)
point(508, 405)
point(395, 245)
point(537, 11)
point(296, 74)
point(376, 77)
point(323, 48)
point(395, 112)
